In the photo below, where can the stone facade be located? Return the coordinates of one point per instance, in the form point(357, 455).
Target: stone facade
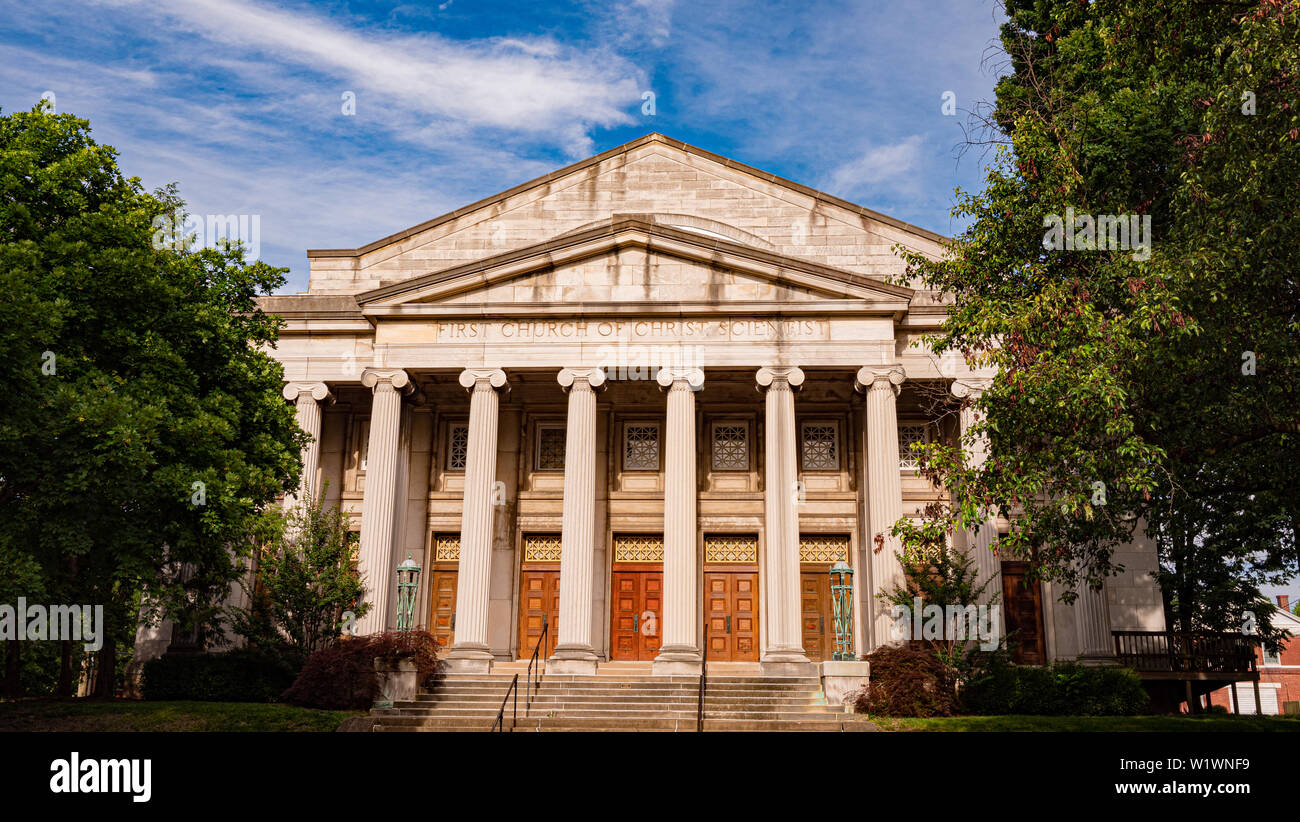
point(654, 394)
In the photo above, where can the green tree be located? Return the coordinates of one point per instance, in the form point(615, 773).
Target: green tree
point(141, 426)
point(305, 579)
point(1155, 385)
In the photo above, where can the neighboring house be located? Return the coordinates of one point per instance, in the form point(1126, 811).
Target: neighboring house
point(648, 399)
point(1279, 674)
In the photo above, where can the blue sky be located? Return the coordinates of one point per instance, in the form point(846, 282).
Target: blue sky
point(240, 101)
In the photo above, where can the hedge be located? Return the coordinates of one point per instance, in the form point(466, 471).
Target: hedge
point(241, 675)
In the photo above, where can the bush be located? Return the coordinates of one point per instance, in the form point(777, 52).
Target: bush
point(241, 675)
point(342, 676)
point(906, 681)
point(1063, 689)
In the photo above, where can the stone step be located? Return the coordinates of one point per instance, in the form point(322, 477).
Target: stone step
point(612, 712)
point(427, 700)
point(387, 725)
point(663, 693)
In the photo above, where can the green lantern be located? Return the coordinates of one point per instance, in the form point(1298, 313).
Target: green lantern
point(408, 586)
point(842, 601)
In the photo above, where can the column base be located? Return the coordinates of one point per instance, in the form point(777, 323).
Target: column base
point(779, 662)
point(468, 659)
point(572, 660)
point(677, 660)
point(1097, 660)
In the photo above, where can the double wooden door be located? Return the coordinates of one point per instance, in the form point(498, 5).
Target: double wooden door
point(635, 629)
point(731, 615)
point(442, 613)
point(1022, 607)
point(539, 603)
point(816, 617)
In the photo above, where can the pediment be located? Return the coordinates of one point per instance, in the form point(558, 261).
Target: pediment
point(637, 262)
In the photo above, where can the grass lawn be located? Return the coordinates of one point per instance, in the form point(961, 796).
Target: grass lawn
point(1110, 724)
point(132, 715)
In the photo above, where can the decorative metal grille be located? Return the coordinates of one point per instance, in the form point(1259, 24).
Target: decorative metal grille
point(820, 444)
point(550, 448)
point(458, 448)
point(641, 447)
point(646, 548)
point(908, 434)
point(362, 445)
point(829, 548)
point(542, 548)
point(731, 548)
point(446, 547)
point(731, 447)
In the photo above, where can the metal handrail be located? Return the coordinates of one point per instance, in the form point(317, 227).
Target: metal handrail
point(541, 640)
point(498, 725)
point(704, 677)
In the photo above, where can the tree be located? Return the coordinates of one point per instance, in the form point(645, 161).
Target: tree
point(1151, 383)
point(305, 579)
point(141, 426)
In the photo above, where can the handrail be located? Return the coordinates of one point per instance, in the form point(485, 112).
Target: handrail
point(1190, 652)
point(541, 640)
point(499, 724)
point(704, 677)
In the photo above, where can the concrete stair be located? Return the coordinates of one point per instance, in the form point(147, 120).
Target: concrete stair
point(621, 698)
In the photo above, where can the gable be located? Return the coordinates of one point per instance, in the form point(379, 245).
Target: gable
point(680, 185)
point(630, 261)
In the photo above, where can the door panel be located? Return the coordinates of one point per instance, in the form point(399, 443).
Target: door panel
point(817, 620)
point(443, 612)
point(539, 598)
point(635, 631)
point(1023, 610)
point(731, 616)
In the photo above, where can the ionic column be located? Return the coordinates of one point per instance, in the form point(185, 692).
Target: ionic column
point(884, 490)
point(1092, 622)
point(680, 625)
point(573, 651)
point(307, 397)
point(783, 654)
point(378, 508)
point(979, 547)
point(469, 652)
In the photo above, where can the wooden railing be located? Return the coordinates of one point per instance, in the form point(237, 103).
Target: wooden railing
point(1202, 652)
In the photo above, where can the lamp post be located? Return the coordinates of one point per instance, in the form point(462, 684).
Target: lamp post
point(408, 585)
point(842, 601)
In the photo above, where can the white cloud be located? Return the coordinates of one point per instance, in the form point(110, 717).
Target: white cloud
point(874, 166)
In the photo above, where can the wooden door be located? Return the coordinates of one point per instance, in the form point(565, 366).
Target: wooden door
point(731, 621)
point(539, 599)
point(442, 614)
point(635, 631)
point(1022, 608)
point(816, 618)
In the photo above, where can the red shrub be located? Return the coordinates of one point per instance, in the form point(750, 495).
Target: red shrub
point(342, 676)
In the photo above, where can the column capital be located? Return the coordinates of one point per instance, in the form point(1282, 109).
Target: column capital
point(399, 379)
point(970, 387)
point(494, 377)
point(879, 377)
point(693, 377)
point(774, 376)
point(594, 377)
point(318, 390)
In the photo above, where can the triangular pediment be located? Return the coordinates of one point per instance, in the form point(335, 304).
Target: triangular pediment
point(630, 261)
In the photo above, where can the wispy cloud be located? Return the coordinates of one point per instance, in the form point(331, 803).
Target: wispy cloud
point(878, 164)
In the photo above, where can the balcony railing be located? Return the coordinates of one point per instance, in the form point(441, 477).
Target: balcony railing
point(1186, 653)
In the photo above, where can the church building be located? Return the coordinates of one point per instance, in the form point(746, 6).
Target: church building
point(648, 400)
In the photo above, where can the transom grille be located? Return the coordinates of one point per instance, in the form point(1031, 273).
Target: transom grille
point(641, 447)
point(639, 548)
point(731, 548)
point(542, 548)
point(830, 548)
point(458, 448)
point(550, 448)
point(446, 547)
point(908, 434)
point(821, 446)
point(731, 447)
